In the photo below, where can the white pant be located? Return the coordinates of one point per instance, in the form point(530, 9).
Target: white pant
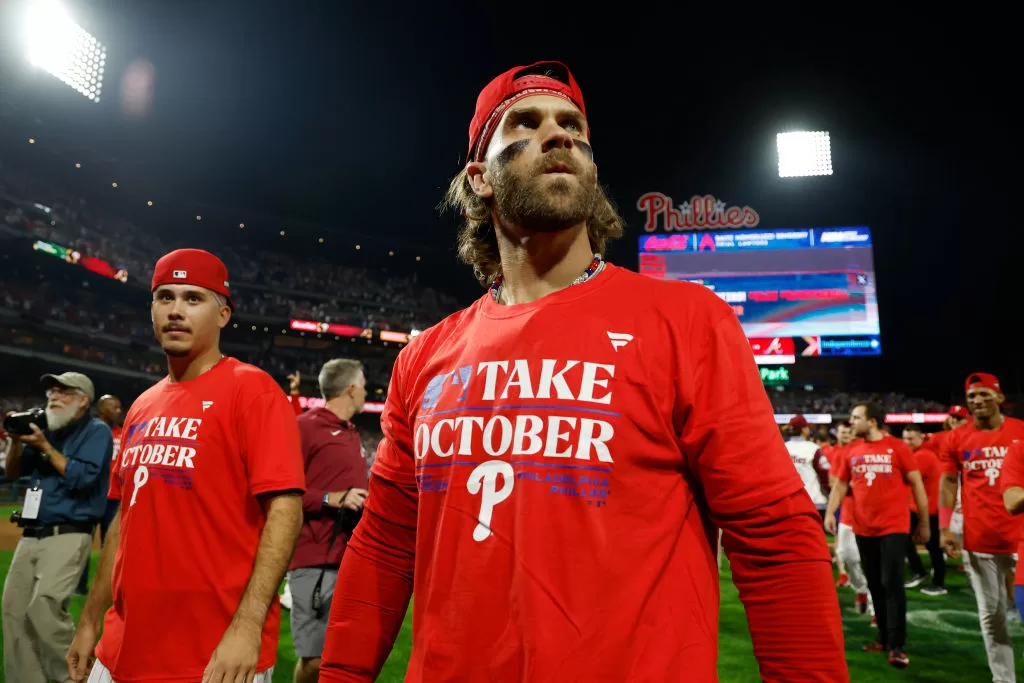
point(849, 555)
point(100, 674)
point(988, 579)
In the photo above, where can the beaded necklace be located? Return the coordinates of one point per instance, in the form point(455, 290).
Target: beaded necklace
point(595, 267)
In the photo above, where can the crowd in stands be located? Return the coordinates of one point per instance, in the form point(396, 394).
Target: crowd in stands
point(841, 402)
point(70, 221)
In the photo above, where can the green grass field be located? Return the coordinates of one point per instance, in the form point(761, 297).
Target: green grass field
point(944, 641)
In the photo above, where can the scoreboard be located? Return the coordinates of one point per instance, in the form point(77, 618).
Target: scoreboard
point(797, 292)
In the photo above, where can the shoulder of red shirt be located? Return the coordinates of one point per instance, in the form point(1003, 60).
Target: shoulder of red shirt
point(250, 377)
point(675, 299)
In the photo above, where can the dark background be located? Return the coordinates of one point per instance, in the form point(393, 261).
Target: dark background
point(346, 121)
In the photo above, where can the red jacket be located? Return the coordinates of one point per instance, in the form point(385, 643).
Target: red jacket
point(333, 461)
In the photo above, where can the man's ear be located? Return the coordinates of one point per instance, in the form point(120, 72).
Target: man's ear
point(479, 179)
point(225, 317)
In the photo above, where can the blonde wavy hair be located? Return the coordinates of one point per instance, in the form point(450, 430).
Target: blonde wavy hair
point(478, 243)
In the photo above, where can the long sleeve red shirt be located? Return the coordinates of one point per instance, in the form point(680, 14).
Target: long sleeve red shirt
point(550, 486)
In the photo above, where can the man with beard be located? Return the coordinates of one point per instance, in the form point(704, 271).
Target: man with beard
point(108, 409)
point(210, 479)
point(974, 453)
point(878, 469)
point(558, 456)
point(68, 464)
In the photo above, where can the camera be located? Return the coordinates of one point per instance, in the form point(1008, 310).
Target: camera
point(18, 423)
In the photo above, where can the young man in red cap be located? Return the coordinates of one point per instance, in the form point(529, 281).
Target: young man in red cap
point(974, 453)
point(809, 460)
point(557, 457)
point(878, 469)
point(210, 479)
point(931, 474)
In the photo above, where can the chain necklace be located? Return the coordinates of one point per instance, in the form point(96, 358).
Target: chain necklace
point(595, 267)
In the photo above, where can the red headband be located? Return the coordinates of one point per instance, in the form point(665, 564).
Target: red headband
point(982, 380)
point(542, 78)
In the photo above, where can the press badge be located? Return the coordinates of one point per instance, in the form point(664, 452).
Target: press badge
point(33, 497)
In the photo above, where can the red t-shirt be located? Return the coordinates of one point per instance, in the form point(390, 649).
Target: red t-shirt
point(195, 456)
point(876, 472)
point(931, 476)
point(560, 463)
point(978, 456)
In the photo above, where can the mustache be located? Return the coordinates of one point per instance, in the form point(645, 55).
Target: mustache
point(174, 328)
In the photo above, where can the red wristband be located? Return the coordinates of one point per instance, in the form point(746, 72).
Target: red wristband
point(945, 514)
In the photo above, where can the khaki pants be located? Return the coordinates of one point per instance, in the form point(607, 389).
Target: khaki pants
point(37, 626)
point(988, 578)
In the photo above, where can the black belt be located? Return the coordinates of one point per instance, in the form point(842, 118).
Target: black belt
point(58, 529)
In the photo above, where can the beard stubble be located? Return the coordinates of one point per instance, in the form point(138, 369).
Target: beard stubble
point(533, 201)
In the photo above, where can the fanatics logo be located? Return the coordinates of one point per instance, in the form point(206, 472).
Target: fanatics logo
point(619, 339)
point(180, 274)
point(207, 404)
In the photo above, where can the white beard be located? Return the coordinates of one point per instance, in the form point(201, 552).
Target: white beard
point(59, 418)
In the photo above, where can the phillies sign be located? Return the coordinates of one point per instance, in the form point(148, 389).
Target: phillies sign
point(700, 213)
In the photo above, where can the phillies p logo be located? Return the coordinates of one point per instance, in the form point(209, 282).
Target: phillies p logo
point(484, 480)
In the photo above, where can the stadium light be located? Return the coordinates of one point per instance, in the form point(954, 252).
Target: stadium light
point(31, 141)
point(56, 44)
point(804, 153)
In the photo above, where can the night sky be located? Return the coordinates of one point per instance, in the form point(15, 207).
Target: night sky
point(347, 120)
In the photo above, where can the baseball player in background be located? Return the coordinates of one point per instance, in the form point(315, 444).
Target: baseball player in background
point(973, 454)
point(557, 457)
point(210, 480)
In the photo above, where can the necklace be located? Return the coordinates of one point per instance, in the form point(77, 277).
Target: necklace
point(595, 267)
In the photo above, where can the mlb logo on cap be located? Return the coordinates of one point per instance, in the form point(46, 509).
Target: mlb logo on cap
point(180, 274)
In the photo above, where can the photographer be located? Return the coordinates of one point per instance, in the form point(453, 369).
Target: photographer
point(336, 481)
point(68, 464)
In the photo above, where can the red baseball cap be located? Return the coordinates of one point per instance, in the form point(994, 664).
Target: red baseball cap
point(193, 267)
point(982, 380)
point(960, 412)
point(798, 422)
point(542, 78)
